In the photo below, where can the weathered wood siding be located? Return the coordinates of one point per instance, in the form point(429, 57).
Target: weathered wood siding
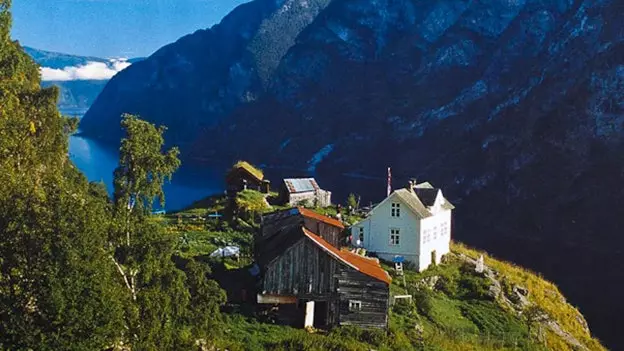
point(374, 295)
point(330, 233)
point(302, 270)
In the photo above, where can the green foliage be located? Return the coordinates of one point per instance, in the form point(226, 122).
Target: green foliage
point(543, 294)
point(167, 308)
point(58, 288)
point(352, 201)
point(5, 20)
point(143, 168)
point(206, 297)
point(251, 202)
point(424, 301)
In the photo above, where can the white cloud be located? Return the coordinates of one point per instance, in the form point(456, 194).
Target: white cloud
point(90, 71)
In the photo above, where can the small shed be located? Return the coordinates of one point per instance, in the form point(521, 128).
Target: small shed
point(244, 175)
point(304, 191)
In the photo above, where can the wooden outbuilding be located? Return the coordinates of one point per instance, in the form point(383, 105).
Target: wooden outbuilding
point(243, 176)
point(311, 278)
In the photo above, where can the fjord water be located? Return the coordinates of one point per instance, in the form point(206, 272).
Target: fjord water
point(97, 162)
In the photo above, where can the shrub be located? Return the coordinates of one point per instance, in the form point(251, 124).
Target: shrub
point(423, 300)
point(448, 285)
point(474, 287)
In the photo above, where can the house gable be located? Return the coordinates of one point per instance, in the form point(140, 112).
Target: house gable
point(404, 196)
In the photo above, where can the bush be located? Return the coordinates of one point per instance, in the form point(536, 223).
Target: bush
point(474, 287)
point(424, 302)
point(448, 285)
point(404, 307)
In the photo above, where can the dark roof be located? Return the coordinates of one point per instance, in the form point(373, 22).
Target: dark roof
point(426, 185)
point(427, 196)
point(364, 265)
point(279, 231)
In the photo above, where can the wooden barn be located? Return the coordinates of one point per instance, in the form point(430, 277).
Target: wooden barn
point(313, 281)
point(243, 176)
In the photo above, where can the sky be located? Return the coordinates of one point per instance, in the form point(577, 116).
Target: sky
point(112, 28)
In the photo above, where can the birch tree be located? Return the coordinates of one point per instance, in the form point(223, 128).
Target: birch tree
point(142, 253)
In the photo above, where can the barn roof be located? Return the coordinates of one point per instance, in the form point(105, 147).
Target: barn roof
point(301, 185)
point(364, 265)
point(325, 219)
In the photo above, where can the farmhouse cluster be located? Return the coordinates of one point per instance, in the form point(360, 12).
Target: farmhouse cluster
point(312, 267)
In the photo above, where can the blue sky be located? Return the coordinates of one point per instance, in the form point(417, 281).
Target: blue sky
point(112, 28)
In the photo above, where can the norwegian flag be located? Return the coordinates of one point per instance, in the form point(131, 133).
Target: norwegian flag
point(389, 190)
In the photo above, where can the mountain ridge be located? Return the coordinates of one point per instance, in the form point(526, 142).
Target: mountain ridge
point(515, 107)
point(76, 95)
point(205, 75)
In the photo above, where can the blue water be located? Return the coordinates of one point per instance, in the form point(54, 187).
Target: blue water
point(97, 162)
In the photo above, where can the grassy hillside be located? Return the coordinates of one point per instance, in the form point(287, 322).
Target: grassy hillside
point(454, 308)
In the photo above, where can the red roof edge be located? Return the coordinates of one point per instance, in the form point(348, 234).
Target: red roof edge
point(311, 214)
point(367, 266)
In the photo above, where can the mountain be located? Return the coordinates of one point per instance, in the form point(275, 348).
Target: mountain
point(194, 83)
point(515, 107)
point(59, 60)
point(77, 92)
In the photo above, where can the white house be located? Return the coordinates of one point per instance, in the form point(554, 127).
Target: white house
point(413, 223)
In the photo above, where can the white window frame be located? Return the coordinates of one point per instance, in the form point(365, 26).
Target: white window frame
point(355, 305)
point(396, 209)
point(395, 233)
point(361, 234)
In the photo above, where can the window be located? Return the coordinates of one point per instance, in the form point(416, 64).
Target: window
point(361, 234)
point(396, 209)
point(435, 232)
point(426, 235)
point(355, 305)
point(445, 229)
point(395, 237)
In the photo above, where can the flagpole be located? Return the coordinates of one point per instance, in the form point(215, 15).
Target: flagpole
point(389, 185)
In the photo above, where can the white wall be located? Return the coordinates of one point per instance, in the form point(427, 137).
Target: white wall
point(431, 229)
point(377, 232)
point(412, 230)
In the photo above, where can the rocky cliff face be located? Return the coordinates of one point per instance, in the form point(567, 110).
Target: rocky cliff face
point(515, 108)
point(192, 84)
